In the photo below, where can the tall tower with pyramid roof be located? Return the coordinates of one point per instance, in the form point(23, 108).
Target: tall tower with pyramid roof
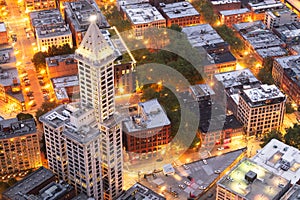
point(96, 77)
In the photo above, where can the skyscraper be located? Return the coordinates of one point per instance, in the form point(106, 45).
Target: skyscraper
point(96, 75)
point(92, 136)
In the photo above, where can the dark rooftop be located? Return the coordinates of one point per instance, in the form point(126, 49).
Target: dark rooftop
point(12, 128)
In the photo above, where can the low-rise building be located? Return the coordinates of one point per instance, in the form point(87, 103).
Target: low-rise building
point(219, 5)
point(286, 73)
point(289, 33)
point(249, 181)
point(61, 65)
point(34, 5)
point(230, 17)
point(204, 37)
point(66, 88)
point(19, 146)
point(263, 42)
point(201, 92)
point(261, 109)
point(143, 16)
point(77, 14)
point(259, 7)
point(3, 33)
point(180, 13)
point(10, 89)
point(292, 194)
point(139, 191)
point(281, 159)
point(147, 131)
point(280, 17)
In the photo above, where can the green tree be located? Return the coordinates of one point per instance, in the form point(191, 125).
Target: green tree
point(175, 27)
point(208, 13)
point(274, 134)
point(265, 76)
point(292, 136)
point(23, 116)
point(236, 44)
point(46, 107)
point(39, 60)
point(289, 108)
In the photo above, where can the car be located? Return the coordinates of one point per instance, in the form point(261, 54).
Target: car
point(210, 195)
point(31, 97)
point(186, 167)
point(175, 194)
point(226, 147)
point(220, 148)
point(204, 161)
point(44, 91)
point(41, 82)
point(217, 171)
point(27, 83)
point(30, 93)
point(202, 187)
point(40, 77)
point(25, 78)
point(181, 186)
point(187, 183)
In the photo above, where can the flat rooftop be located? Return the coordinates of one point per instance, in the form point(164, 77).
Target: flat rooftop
point(55, 60)
point(142, 13)
point(237, 78)
point(139, 191)
point(202, 35)
point(289, 31)
point(11, 128)
point(201, 90)
point(8, 75)
point(79, 12)
point(51, 17)
point(246, 27)
point(53, 191)
point(53, 31)
point(65, 81)
point(23, 187)
point(220, 2)
point(267, 185)
point(292, 194)
point(235, 12)
point(151, 115)
point(275, 156)
point(279, 12)
point(179, 9)
point(83, 134)
point(262, 38)
point(261, 6)
point(277, 51)
point(61, 93)
point(294, 3)
point(203, 175)
point(130, 2)
point(261, 94)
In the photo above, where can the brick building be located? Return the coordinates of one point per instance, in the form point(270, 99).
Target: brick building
point(147, 130)
point(61, 65)
point(230, 17)
point(3, 34)
point(219, 5)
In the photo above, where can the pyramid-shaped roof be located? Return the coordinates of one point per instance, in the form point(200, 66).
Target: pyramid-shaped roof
point(94, 48)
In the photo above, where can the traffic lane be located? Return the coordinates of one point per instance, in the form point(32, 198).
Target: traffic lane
point(35, 88)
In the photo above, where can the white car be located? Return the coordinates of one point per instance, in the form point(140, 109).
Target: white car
point(220, 148)
point(204, 161)
point(187, 183)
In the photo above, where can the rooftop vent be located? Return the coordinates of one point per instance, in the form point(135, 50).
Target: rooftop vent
point(250, 176)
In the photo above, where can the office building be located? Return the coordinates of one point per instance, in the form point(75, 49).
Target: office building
point(142, 17)
point(180, 13)
point(146, 131)
point(3, 33)
point(61, 65)
point(261, 41)
point(289, 33)
point(201, 92)
point(286, 73)
point(204, 37)
point(19, 146)
point(96, 75)
point(50, 29)
point(220, 5)
point(261, 109)
point(35, 5)
point(77, 15)
point(249, 181)
point(280, 159)
point(230, 17)
point(259, 7)
point(277, 18)
point(139, 191)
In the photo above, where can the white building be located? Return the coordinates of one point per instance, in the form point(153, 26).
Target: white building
point(96, 78)
point(280, 159)
point(84, 142)
point(277, 18)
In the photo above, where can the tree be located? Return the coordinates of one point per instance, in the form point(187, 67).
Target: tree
point(175, 27)
point(46, 107)
point(273, 134)
point(24, 116)
point(208, 12)
point(265, 76)
point(289, 108)
point(3, 186)
point(39, 60)
point(229, 36)
point(292, 136)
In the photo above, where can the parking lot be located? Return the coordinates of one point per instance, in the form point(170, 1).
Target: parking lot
point(193, 179)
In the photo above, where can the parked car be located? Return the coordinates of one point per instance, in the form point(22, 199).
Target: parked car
point(204, 161)
point(187, 183)
point(220, 148)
